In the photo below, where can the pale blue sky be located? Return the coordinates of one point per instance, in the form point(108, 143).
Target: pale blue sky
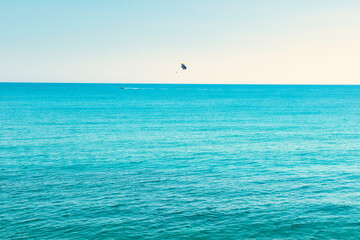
point(257, 41)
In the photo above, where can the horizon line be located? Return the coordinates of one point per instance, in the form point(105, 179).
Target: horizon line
point(270, 84)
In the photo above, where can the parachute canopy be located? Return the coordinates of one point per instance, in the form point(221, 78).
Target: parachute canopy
point(183, 66)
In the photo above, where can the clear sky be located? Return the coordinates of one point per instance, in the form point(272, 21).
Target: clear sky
point(144, 41)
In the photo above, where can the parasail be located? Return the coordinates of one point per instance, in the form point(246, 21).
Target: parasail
point(183, 66)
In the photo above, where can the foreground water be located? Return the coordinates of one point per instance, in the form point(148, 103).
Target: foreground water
point(93, 161)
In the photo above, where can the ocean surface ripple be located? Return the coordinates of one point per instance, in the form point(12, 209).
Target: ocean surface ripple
point(93, 161)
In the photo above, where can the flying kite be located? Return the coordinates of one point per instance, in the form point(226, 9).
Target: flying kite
point(183, 66)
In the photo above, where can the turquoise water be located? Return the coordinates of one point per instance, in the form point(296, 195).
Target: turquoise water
point(93, 161)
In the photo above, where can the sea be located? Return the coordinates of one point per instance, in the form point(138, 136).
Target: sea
point(175, 161)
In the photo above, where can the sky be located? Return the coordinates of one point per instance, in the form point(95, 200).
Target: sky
point(144, 41)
